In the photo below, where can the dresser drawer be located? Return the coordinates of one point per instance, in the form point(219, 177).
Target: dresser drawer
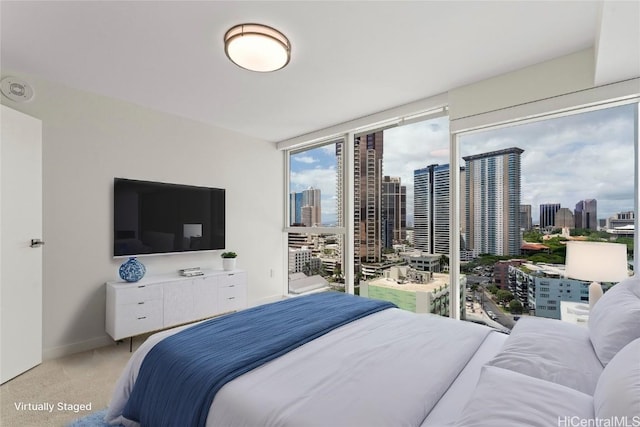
point(232, 297)
point(233, 279)
point(134, 319)
point(136, 294)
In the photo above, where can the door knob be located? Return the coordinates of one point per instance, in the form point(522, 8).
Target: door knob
point(36, 243)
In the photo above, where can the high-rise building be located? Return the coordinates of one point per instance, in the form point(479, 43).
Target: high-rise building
point(564, 219)
point(394, 211)
point(311, 210)
point(431, 199)
point(368, 150)
point(295, 208)
point(548, 215)
point(463, 207)
point(340, 199)
point(423, 208)
point(586, 214)
point(493, 202)
point(441, 205)
point(526, 222)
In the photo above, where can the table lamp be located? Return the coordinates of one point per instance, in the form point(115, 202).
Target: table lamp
point(596, 262)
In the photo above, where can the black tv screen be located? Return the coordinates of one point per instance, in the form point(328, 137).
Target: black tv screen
point(157, 218)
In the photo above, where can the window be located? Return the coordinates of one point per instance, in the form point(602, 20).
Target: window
point(401, 213)
point(371, 190)
point(315, 184)
point(528, 188)
point(521, 187)
point(315, 231)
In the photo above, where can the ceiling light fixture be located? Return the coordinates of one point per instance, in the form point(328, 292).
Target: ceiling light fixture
point(257, 47)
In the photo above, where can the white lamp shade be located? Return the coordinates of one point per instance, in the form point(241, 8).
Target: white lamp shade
point(596, 261)
point(257, 47)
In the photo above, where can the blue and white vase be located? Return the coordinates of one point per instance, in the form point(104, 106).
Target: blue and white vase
point(132, 270)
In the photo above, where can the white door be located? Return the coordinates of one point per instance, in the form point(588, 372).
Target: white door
point(20, 263)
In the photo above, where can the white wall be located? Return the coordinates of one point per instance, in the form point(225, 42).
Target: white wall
point(558, 76)
point(87, 141)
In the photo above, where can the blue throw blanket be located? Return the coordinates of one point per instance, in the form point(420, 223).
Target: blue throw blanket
point(181, 374)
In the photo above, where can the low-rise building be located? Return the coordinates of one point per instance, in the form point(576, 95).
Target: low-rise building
point(541, 288)
point(410, 289)
point(501, 272)
point(377, 269)
point(422, 261)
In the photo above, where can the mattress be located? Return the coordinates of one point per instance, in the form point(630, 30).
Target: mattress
point(389, 368)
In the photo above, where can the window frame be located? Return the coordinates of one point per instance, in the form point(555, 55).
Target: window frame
point(287, 228)
point(348, 203)
point(599, 97)
point(546, 110)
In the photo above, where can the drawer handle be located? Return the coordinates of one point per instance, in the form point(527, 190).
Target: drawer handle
point(231, 298)
point(232, 286)
point(142, 286)
point(140, 303)
point(143, 317)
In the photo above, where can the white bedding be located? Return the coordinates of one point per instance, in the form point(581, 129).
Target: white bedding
point(554, 351)
point(389, 368)
point(447, 411)
point(508, 398)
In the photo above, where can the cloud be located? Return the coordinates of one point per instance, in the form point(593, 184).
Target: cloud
point(304, 159)
point(415, 146)
point(572, 158)
point(565, 160)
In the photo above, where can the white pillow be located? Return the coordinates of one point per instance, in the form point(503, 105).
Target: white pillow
point(618, 391)
point(551, 350)
point(614, 320)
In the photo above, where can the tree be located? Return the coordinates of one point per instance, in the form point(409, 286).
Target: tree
point(532, 236)
point(337, 271)
point(444, 261)
point(504, 296)
point(515, 307)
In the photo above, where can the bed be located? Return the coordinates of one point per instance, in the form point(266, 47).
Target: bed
point(390, 367)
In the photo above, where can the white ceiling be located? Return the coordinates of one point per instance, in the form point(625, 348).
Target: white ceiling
point(349, 59)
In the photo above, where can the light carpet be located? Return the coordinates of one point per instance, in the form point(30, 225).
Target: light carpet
point(79, 379)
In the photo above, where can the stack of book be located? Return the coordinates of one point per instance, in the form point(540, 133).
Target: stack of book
point(189, 272)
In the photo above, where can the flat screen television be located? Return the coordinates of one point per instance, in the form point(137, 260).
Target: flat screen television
point(158, 218)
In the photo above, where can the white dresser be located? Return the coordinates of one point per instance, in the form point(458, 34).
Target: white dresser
point(159, 302)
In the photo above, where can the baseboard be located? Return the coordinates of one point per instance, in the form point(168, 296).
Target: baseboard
point(77, 347)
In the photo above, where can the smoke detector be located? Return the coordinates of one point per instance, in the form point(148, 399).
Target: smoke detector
point(16, 89)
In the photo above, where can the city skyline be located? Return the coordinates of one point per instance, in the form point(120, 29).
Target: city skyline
point(566, 160)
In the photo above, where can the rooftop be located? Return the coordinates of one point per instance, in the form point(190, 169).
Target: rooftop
point(439, 280)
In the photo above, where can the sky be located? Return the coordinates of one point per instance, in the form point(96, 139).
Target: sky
point(565, 160)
